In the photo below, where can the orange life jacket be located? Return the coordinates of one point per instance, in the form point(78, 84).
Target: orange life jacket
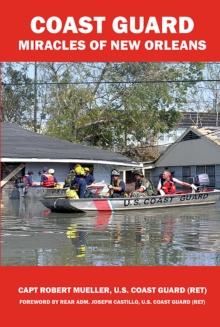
point(169, 187)
point(49, 181)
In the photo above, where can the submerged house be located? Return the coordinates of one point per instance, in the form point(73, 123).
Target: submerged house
point(196, 151)
point(35, 151)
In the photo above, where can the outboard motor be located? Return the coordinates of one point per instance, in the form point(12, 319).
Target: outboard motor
point(202, 181)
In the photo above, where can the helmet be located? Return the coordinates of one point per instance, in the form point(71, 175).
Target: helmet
point(79, 170)
point(115, 172)
point(51, 171)
point(138, 172)
point(77, 165)
point(82, 171)
point(86, 169)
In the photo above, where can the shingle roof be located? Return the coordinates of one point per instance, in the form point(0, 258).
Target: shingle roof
point(212, 133)
point(21, 143)
point(192, 148)
point(200, 119)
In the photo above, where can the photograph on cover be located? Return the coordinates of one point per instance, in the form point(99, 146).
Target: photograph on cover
point(110, 164)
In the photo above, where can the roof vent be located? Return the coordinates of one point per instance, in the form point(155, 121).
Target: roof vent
point(190, 136)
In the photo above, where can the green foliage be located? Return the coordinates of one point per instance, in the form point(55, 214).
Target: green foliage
point(116, 105)
point(18, 99)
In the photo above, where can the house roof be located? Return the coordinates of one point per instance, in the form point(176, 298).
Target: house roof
point(20, 145)
point(212, 133)
point(200, 119)
point(196, 146)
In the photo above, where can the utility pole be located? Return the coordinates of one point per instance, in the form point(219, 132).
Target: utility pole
point(35, 96)
point(215, 105)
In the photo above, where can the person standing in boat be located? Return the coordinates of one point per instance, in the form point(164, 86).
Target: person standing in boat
point(89, 177)
point(79, 182)
point(70, 176)
point(117, 188)
point(167, 183)
point(143, 187)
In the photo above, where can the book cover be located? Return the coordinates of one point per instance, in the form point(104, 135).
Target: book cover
point(110, 162)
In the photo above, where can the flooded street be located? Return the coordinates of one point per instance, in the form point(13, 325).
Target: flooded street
point(32, 236)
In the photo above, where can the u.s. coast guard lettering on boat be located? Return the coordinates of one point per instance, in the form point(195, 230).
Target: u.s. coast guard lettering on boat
point(150, 201)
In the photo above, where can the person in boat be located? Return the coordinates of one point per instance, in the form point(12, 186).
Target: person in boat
point(71, 193)
point(167, 183)
point(52, 172)
point(47, 178)
point(117, 188)
point(143, 186)
point(89, 177)
point(43, 173)
point(79, 182)
point(70, 176)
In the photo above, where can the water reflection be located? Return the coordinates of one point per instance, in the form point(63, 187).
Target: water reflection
point(31, 235)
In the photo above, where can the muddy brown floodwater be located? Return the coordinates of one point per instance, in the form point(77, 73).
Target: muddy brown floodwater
point(32, 236)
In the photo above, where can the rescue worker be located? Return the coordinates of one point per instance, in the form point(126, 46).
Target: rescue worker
point(117, 188)
point(51, 171)
point(143, 187)
point(71, 175)
point(166, 184)
point(71, 193)
point(41, 173)
point(88, 177)
point(47, 179)
point(79, 182)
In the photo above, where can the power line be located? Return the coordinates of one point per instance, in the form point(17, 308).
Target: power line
point(112, 82)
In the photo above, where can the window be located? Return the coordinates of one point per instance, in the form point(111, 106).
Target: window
point(210, 170)
point(200, 170)
point(186, 173)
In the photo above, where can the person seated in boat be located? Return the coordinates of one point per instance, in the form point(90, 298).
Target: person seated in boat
point(51, 171)
point(167, 183)
point(143, 186)
point(71, 193)
point(79, 182)
point(89, 178)
point(47, 178)
point(42, 173)
point(117, 188)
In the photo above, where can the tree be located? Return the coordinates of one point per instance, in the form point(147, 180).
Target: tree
point(140, 109)
point(18, 95)
point(205, 96)
point(112, 105)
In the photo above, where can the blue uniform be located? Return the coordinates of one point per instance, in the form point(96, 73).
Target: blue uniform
point(80, 182)
point(89, 179)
